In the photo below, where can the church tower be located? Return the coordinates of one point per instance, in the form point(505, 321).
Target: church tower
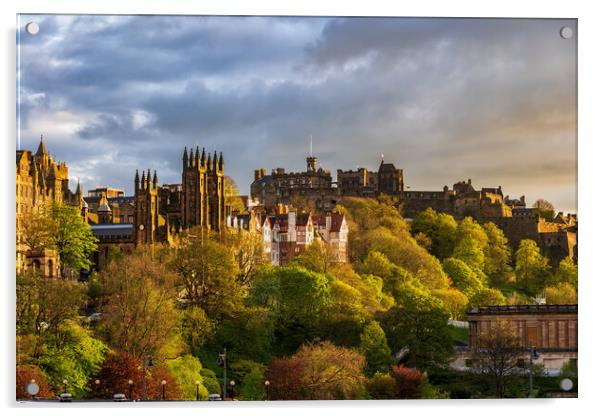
point(215, 184)
point(194, 189)
point(146, 195)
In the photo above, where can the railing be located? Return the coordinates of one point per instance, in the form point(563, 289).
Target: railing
point(507, 309)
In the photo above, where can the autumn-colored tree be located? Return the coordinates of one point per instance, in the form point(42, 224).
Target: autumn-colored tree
point(382, 386)
point(25, 375)
point(497, 354)
point(38, 230)
point(117, 369)
point(120, 367)
point(330, 372)
point(407, 382)
point(140, 316)
point(284, 377)
point(544, 208)
point(232, 195)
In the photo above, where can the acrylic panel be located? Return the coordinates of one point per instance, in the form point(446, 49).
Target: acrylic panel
point(295, 208)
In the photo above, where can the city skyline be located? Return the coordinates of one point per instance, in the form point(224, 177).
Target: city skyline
point(488, 99)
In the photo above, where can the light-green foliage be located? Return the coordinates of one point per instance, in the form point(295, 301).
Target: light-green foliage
point(74, 356)
point(532, 268)
point(186, 370)
point(566, 272)
point(72, 237)
point(488, 297)
point(497, 255)
point(374, 347)
point(463, 277)
point(210, 381)
point(252, 387)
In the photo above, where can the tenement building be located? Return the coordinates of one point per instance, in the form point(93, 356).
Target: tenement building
point(550, 329)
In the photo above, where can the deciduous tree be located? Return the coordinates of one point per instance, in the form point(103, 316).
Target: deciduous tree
point(532, 268)
point(374, 347)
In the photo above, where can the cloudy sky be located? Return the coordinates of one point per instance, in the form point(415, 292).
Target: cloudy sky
point(493, 100)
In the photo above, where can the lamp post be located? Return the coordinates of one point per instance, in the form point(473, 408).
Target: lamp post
point(131, 386)
point(97, 387)
point(65, 382)
point(163, 383)
point(223, 361)
point(198, 383)
point(232, 384)
point(267, 389)
point(532, 355)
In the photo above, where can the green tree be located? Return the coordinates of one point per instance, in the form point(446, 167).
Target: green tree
point(187, 372)
point(210, 381)
point(454, 301)
point(488, 297)
point(566, 272)
point(417, 327)
point(561, 294)
point(74, 355)
point(207, 273)
point(374, 347)
point(532, 268)
point(440, 228)
point(73, 238)
point(463, 277)
point(252, 387)
point(316, 257)
point(140, 316)
point(497, 255)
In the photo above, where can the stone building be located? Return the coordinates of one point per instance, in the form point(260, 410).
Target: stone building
point(39, 181)
point(550, 329)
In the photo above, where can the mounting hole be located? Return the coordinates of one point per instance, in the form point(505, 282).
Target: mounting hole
point(32, 28)
point(566, 32)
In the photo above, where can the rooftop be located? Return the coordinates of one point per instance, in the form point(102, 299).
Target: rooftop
point(521, 309)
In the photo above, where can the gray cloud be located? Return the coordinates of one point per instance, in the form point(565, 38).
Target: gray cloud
point(445, 99)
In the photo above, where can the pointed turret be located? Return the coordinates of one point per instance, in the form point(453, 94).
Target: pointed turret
point(204, 158)
point(143, 181)
point(209, 162)
point(136, 181)
point(221, 162)
point(197, 157)
point(185, 157)
point(78, 190)
point(148, 180)
point(155, 180)
point(41, 148)
point(214, 161)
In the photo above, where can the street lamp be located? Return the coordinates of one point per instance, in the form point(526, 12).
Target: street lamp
point(232, 383)
point(65, 382)
point(198, 383)
point(267, 389)
point(533, 355)
point(163, 383)
point(131, 385)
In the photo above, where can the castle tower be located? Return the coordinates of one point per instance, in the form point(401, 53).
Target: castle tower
point(146, 216)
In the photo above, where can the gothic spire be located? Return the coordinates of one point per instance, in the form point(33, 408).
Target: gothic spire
point(155, 180)
point(185, 157)
point(215, 161)
point(143, 181)
point(221, 161)
point(41, 148)
point(137, 180)
point(203, 158)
